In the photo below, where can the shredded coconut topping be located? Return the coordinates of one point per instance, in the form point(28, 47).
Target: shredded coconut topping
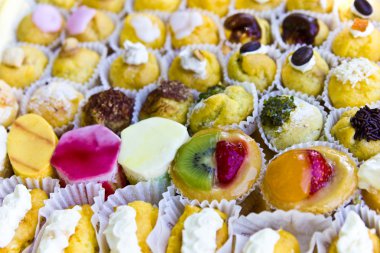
point(354, 71)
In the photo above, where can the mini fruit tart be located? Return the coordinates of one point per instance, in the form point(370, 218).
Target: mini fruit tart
point(315, 179)
point(359, 38)
point(301, 28)
point(216, 164)
point(244, 27)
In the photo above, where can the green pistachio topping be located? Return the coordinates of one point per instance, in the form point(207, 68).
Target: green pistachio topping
point(212, 91)
point(277, 110)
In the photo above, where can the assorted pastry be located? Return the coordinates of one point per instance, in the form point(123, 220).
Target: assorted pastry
point(254, 63)
point(304, 70)
point(198, 69)
point(287, 120)
point(212, 100)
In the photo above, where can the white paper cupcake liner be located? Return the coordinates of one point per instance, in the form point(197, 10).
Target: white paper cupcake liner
point(150, 192)
point(311, 145)
point(240, 199)
point(330, 59)
point(280, 9)
point(302, 225)
point(213, 17)
point(142, 96)
point(172, 207)
point(98, 89)
point(76, 194)
point(106, 65)
point(60, 38)
point(248, 125)
point(328, 19)
point(333, 118)
point(98, 48)
point(29, 93)
point(131, 8)
point(273, 53)
point(48, 53)
point(324, 239)
point(262, 15)
point(115, 20)
point(285, 91)
point(114, 39)
point(8, 185)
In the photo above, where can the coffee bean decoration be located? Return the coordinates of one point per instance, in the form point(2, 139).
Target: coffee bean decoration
point(243, 25)
point(250, 47)
point(298, 28)
point(302, 56)
point(363, 7)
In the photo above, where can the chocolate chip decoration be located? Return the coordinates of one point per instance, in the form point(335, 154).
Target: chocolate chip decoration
point(243, 25)
point(302, 56)
point(298, 28)
point(250, 47)
point(366, 123)
point(363, 7)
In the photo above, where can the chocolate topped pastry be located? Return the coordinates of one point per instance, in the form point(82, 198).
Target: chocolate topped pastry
point(111, 108)
point(243, 25)
point(363, 7)
point(170, 100)
point(298, 28)
point(302, 56)
point(366, 123)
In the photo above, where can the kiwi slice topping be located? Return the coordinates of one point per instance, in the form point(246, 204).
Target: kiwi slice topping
point(195, 162)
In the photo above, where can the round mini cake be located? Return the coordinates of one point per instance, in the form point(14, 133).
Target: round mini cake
point(216, 164)
point(43, 26)
point(299, 28)
point(244, 27)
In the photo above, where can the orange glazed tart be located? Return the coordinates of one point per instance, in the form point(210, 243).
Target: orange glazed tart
point(316, 179)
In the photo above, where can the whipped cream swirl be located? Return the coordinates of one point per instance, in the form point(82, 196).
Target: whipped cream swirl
point(135, 53)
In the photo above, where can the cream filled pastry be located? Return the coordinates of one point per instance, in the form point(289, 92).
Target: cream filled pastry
point(13, 210)
point(368, 176)
point(355, 237)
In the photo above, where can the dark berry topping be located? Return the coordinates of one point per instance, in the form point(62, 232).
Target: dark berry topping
point(250, 47)
point(243, 25)
point(299, 28)
point(363, 7)
point(302, 56)
point(366, 123)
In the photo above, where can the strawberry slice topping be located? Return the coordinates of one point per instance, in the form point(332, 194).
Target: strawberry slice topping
point(321, 171)
point(229, 158)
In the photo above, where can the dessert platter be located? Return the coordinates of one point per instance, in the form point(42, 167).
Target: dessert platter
point(189, 126)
